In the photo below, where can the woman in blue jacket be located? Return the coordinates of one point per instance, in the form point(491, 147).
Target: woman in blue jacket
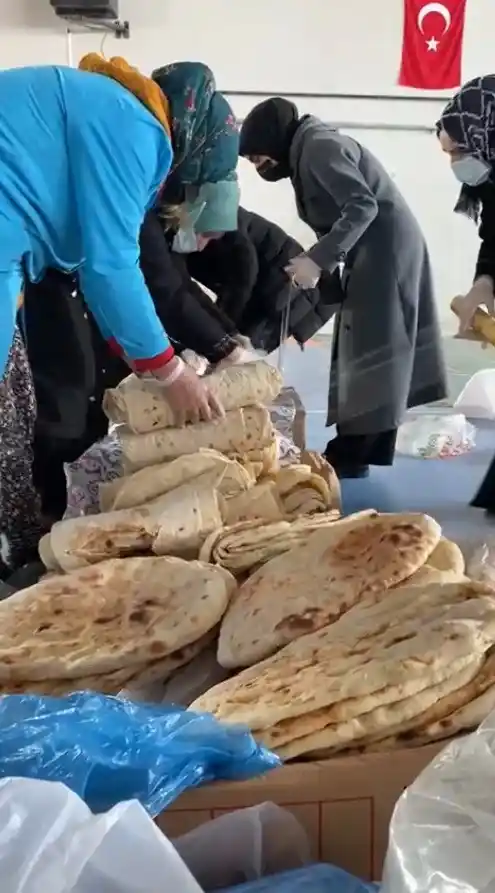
point(84, 153)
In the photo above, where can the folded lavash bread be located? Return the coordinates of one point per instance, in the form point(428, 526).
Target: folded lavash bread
point(262, 501)
point(303, 491)
point(321, 467)
point(151, 483)
point(334, 687)
point(174, 524)
point(241, 431)
point(141, 403)
point(133, 677)
point(318, 581)
point(261, 461)
point(118, 614)
point(248, 544)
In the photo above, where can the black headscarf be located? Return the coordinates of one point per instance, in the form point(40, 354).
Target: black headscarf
point(269, 129)
point(469, 120)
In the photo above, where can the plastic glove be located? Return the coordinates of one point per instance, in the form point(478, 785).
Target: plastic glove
point(197, 363)
point(237, 357)
point(303, 271)
point(481, 294)
point(188, 396)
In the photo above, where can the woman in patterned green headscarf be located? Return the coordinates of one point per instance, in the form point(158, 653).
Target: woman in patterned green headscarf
point(205, 138)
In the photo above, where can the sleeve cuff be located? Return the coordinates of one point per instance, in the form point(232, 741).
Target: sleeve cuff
point(143, 364)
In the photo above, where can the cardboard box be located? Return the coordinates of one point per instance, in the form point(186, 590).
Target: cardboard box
point(345, 804)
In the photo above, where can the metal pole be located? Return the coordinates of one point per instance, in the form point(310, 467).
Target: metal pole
point(68, 47)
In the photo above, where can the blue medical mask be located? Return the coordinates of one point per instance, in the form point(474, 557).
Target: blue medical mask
point(470, 170)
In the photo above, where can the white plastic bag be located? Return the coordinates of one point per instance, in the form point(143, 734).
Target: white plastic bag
point(50, 842)
point(481, 564)
point(254, 842)
point(436, 436)
point(442, 834)
point(477, 398)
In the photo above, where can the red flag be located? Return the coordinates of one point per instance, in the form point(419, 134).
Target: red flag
point(432, 44)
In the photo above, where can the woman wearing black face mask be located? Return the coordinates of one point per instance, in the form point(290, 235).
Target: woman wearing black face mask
point(466, 132)
point(386, 352)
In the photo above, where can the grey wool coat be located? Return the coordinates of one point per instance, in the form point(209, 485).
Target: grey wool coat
point(386, 354)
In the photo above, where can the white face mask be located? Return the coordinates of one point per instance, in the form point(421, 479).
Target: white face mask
point(185, 241)
point(470, 170)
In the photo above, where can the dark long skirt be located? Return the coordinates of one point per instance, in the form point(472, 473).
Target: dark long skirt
point(20, 513)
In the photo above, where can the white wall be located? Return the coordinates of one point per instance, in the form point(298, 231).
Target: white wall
point(290, 46)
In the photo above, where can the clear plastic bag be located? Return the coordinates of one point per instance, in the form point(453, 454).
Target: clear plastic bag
point(436, 436)
point(50, 841)
point(101, 463)
point(108, 749)
point(254, 842)
point(477, 398)
point(442, 834)
point(318, 878)
point(481, 565)
point(287, 415)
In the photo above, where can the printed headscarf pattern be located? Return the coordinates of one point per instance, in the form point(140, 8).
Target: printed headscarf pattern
point(469, 120)
point(205, 133)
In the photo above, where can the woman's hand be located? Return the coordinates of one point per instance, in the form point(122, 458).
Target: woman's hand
point(187, 394)
point(480, 295)
point(303, 271)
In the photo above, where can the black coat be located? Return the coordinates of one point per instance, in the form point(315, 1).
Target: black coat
point(72, 363)
point(245, 270)
point(486, 257)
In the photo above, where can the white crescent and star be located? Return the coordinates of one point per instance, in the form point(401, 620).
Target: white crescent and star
point(432, 43)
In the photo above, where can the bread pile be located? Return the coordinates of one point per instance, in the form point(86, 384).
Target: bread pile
point(124, 622)
point(412, 666)
point(186, 485)
point(366, 636)
point(149, 438)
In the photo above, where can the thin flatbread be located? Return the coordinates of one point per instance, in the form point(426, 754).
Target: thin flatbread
point(262, 501)
point(108, 617)
point(141, 403)
point(150, 483)
point(319, 581)
point(246, 545)
point(240, 432)
point(47, 555)
point(175, 524)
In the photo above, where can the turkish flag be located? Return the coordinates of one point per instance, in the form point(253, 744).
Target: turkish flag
point(432, 44)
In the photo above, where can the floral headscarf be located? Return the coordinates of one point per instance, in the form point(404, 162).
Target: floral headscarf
point(469, 120)
point(205, 133)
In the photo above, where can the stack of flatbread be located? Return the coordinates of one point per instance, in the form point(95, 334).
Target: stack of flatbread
point(408, 665)
point(174, 507)
point(139, 406)
point(314, 584)
point(124, 622)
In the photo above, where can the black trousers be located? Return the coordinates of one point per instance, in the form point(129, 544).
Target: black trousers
point(362, 449)
point(485, 497)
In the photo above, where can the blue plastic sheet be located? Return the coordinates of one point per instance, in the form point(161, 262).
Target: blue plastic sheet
point(319, 878)
point(108, 749)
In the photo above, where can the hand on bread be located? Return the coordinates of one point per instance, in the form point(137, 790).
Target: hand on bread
point(479, 295)
point(188, 396)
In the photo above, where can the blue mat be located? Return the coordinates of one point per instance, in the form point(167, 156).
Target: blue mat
point(441, 487)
